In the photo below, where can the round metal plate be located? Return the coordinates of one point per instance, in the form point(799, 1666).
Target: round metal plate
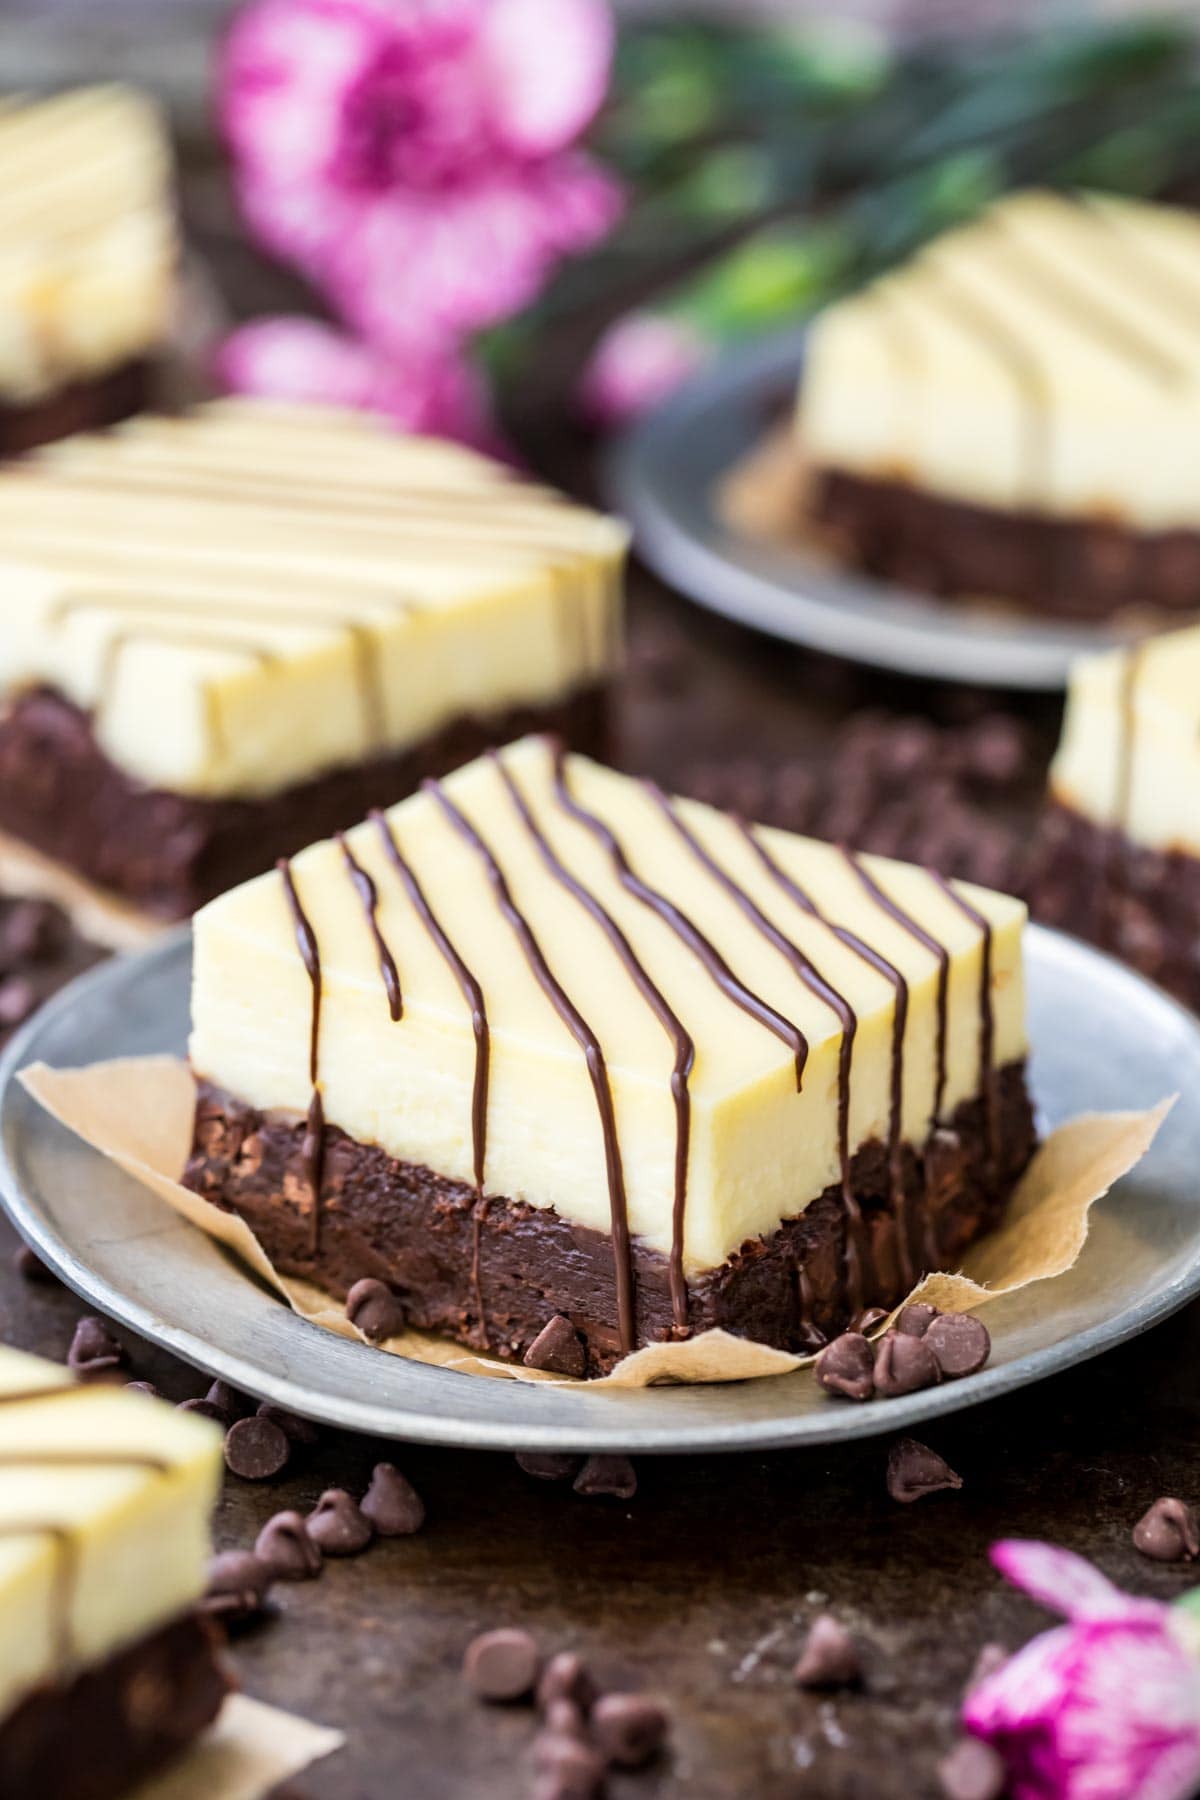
point(663, 477)
point(1105, 1039)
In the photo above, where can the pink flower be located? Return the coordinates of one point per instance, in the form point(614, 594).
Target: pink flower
point(414, 157)
point(432, 391)
point(641, 359)
point(1106, 1707)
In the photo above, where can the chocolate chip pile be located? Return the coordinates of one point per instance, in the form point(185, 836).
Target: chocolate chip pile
point(924, 1347)
point(591, 1476)
point(38, 953)
point(583, 1733)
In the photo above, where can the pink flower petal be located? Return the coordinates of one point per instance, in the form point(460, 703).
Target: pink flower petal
point(639, 361)
point(1064, 1582)
point(547, 67)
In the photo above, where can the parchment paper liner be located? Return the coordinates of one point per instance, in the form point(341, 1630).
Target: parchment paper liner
point(139, 1111)
point(101, 918)
point(248, 1751)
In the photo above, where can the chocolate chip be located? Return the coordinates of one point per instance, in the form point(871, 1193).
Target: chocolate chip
point(904, 1365)
point(375, 1309)
point(338, 1525)
point(829, 1658)
point(1167, 1532)
point(30, 1267)
point(546, 1466)
point(868, 1319)
point(206, 1409)
point(300, 1432)
point(628, 1729)
point(613, 1475)
point(286, 1549)
point(916, 1318)
point(256, 1448)
point(562, 1718)
point(567, 1769)
point(233, 1404)
point(990, 1660)
point(392, 1503)
point(502, 1664)
point(94, 1351)
point(847, 1366)
point(566, 1677)
point(18, 998)
point(31, 931)
point(558, 1348)
point(973, 1771)
point(960, 1342)
point(914, 1470)
point(143, 1387)
point(238, 1583)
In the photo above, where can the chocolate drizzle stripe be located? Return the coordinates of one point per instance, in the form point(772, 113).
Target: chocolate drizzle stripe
point(368, 893)
point(312, 1149)
point(684, 1045)
point(928, 942)
point(987, 1014)
point(588, 1042)
point(683, 927)
point(62, 1599)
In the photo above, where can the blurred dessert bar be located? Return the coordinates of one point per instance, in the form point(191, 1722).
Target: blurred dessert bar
point(88, 254)
point(231, 632)
point(1013, 413)
point(544, 1050)
point(1118, 854)
point(107, 1671)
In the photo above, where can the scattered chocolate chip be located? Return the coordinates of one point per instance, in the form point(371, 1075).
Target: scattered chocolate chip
point(914, 1470)
point(94, 1351)
point(567, 1769)
point(502, 1664)
point(286, 1548)
point(557, 1348)
point(847, 1366)
point(31, 931)
point(562, 1718)
point(960, 1342)
point(916, 1318)
point(392, 1503)
point(546, 1466)
point(229, 1401)
point(338, 1525)
point(206, 1409)
point(868, 1319)
point(973, 1771)
point(829, 1658)
point(613, 1475)
point(628, 1729)
point(991, 1658)
point(1167, 1532)
point(904, 1365)
point(256, 1448)
point(566, 1677)
point(18, 998)
point(143, 1387)
point(238, 1583)
point(375, 1309)
point(300, 1432)
point(30, 1267)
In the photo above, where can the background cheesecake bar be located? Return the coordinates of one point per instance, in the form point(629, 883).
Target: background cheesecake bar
point(106, 1669)
point(1118, 853)
point(88, 254)
point(230, 632)
point(1014, 412)
point(542, 1042)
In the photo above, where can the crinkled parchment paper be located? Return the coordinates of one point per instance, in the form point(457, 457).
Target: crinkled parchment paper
point(138, 1111)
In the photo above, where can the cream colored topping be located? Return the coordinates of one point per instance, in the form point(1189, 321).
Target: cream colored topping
point(105, 1500)
point(759, 1150)
point(1046, 356)
point(202, 584)
point(88, 239)
point(1129, 754)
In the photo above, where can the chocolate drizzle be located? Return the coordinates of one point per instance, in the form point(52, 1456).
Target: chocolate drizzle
point(588, 1042)
point(367, 892)
point(313, 1148)
point(939, 951)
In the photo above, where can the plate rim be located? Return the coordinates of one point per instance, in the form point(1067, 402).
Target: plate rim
point(831, 1425)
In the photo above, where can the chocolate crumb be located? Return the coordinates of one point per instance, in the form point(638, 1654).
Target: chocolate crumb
point(566, 1677)
point(847, 1366)
point(238, 1583)
point(973, 1771)
point(613, 1475)
point(30, 1267)
point(830, 1656)
point(960, 1342)
point(545, 1465)
point(1167, 1532)
point(914, 1470)
point(338, 1525)
point(916, 1318)
point(392, 1503)
point(255, 1448)
point(628, 1729)
point(502, 1664)
point(904, 1365)
point(206, 1409)
point(95, 1352)
point(557, 1348)
point(375, 1309)
point(287, 1550)
point(300, 1432)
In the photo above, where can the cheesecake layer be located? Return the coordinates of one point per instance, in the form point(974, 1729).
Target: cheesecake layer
point(1041, 359)
point(248, 596)
point(88, 240)
point(169, 853)
point(105, 1499)
point(555, 984)
point(493, 1274)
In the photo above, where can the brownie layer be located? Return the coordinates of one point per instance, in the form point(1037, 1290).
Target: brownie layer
point(169, 852)
point(80, 406)
point(447, 1253)
point(1072, 568)
point(96, 1736)
point(1142, 905)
